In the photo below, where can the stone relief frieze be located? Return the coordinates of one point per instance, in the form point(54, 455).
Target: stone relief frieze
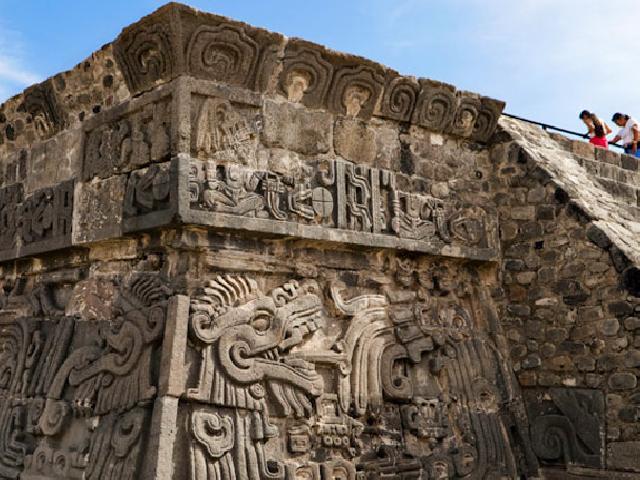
point(145, 55)
point(318, 381)
point(37, 221)
point(74, 394)
point(225, 134)
point(217, 49)
point(567, 426)
point(148, 190)
point(132, 141)
point(342, 195)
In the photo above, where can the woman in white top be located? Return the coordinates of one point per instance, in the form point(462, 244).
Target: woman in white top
point(629, 133)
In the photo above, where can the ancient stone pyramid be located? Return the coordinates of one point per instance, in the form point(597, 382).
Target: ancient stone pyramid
point(230, 255)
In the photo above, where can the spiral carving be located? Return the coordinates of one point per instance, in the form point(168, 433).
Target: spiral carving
point(224, 53)
point(488, 117)
point(355, 91)
point(145, 55)
point(465, 117)
point(126, 432)
point(551, 435)
point(436, 106)
point(399, 99)
point(302, 64)
point(214, 432)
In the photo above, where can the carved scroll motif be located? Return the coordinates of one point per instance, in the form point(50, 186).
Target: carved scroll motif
point(570, 429)
point(355, 91)
point(466, 116)
point(436, 107)
point(41, 104)
point(52, 463)
point(117, 375)
point(244, 337)
point(235, 322)
point(115, 447)
point(401, 384)
point(31, 352)
point(145, 55)
point(224, 53)
point(306, 76)
point(400, 97)
point(71, 391)
point(488, 116)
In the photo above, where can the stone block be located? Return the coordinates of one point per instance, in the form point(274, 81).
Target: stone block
point(620, 308)
point(629, 162)
point(292, 127)
point(583, 149)
point(632, 359)
point(623, 381)
point(609, 327)
point(608, 156)
point(523, 213)
point(623, 456)
point(632, 323)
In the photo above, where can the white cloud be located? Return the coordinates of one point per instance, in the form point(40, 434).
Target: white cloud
point(547, 58)
point(12, 71)
point(14, 75)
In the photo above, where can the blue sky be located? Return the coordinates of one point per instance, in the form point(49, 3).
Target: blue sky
point(548, 59)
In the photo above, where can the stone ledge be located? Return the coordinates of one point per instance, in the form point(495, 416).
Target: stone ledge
point(589, 152)
point(175, 39)
point(177, 36)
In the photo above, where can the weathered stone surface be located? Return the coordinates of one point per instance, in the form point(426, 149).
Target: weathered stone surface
point(297, 129)
point(623, 381)
point(623, 456)
point(228, 254)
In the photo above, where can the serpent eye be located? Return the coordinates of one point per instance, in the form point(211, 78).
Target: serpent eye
point(261, 321)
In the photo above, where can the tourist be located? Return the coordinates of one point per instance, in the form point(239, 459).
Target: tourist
point(598, 130)
point(629, 133)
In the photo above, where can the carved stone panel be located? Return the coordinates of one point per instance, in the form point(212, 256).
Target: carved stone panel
point(223, 132)
point(36, 222)
point(341, 196)
point(121, 143)
point(148, 190)
point(145, 54)
point(314, 379)
point(75, 395)
point(567, 426)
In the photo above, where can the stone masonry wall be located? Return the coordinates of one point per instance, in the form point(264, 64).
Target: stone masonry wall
point(569, 304)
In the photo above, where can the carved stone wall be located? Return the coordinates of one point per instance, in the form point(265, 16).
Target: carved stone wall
point(229, 255)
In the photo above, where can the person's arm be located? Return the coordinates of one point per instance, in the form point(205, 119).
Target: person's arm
point(616, 139)
point(607, 128)
point(592, 128)
point(636, 138)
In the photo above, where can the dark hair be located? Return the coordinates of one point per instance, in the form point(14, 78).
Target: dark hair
point(618, 116)
point(598, 126)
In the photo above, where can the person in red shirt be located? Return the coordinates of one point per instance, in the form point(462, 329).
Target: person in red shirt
point(598, 130)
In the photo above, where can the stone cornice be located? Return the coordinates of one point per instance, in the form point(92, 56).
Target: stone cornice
point(178, 40)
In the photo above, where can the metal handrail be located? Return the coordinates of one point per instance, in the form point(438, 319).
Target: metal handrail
point(546, 126)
